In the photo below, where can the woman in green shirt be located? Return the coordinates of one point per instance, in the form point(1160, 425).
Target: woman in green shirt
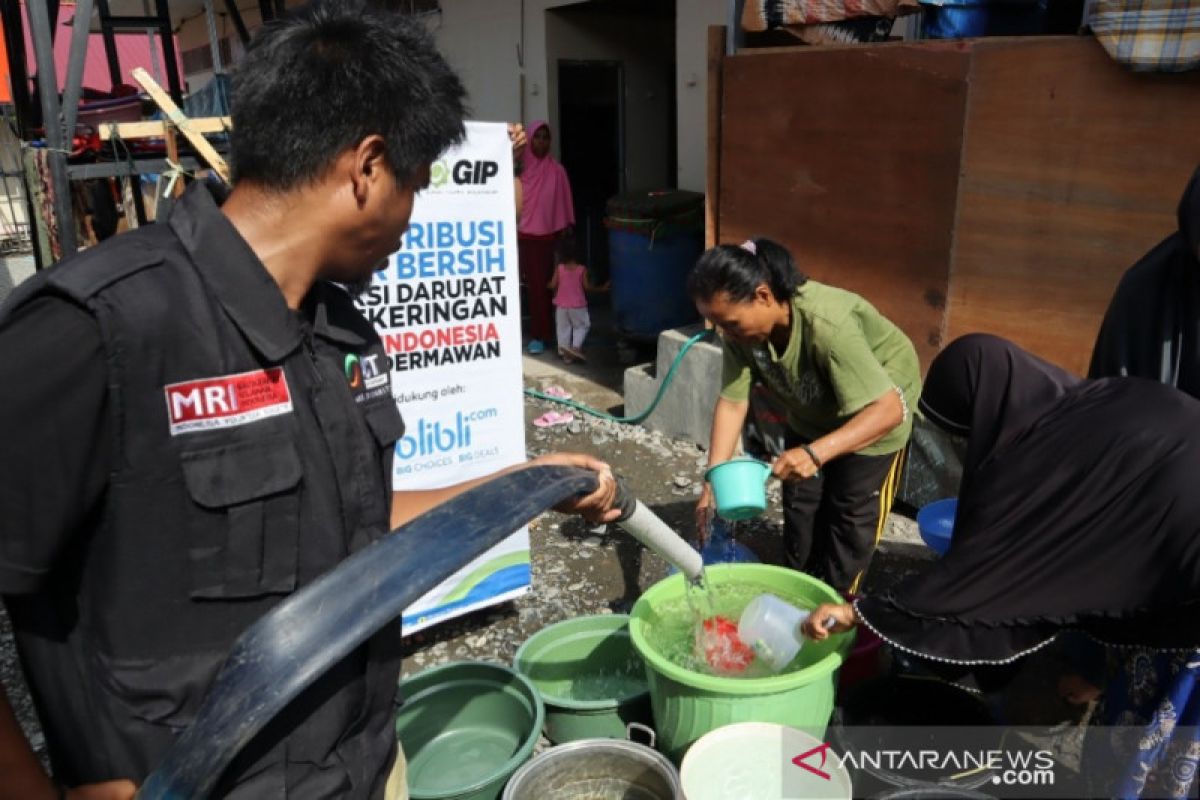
point(847, 379)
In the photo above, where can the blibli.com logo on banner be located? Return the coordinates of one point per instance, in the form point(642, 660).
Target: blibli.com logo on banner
point(432, 443)
point(464, 176)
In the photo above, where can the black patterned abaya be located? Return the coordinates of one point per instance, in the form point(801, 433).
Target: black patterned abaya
point(1080, 507)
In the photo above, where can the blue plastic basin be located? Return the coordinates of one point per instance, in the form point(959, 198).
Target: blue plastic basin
point(936, 523)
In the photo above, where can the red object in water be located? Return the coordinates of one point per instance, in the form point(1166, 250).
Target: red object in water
point(723, 649)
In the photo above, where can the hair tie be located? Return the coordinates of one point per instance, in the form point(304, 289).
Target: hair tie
point(750, 247)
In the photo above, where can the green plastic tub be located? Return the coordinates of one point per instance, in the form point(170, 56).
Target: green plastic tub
point(590, 677)
point(689, 704)
point(466, 727)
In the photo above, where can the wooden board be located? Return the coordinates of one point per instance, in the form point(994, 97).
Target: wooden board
point(151, 129)
point(712, 177)
point(999, 185)
point(177, 117)
point(850, 157)
point(1072, 170)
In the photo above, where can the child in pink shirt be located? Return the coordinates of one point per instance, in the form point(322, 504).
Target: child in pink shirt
point(570, 285)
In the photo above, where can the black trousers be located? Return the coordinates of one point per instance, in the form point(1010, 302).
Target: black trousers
point(832, 523)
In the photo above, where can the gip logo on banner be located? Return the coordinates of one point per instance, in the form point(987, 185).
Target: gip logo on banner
point(439, 173)
point(463, 172)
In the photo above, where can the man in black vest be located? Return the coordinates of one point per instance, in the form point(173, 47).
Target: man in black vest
point(185, 443)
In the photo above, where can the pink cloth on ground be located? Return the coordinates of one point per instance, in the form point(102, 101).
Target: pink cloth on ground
point(570, 292)
point(546, 206)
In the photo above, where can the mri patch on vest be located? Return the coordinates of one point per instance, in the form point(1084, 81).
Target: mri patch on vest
point(227, 401)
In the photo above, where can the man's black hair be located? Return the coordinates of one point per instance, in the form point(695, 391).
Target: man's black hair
point(326, 76)
point(738, 271)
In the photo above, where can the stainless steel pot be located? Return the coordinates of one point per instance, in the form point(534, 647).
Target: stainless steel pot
point(598, 769)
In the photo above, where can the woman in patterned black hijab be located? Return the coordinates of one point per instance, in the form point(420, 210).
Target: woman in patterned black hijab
point(1078, 509)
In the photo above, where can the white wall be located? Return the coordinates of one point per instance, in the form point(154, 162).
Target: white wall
point(538, 97)
point(692, 18)
point(475, 35)
point(480, 39)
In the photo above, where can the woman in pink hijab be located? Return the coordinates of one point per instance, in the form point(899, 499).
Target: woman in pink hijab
point(546, 211)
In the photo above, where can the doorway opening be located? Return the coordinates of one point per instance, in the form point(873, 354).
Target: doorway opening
point(591, 122)
point(612, 110)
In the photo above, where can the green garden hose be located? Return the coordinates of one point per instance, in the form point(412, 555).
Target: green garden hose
point(634, 420)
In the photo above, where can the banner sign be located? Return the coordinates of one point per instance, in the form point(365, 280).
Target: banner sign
point(447, 308)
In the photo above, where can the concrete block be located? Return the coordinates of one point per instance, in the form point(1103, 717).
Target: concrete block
point(14, 270)
point(686, 409)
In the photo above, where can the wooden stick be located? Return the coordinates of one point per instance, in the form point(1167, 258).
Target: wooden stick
point(181, 121)
point(173, 155)
point(154, 129)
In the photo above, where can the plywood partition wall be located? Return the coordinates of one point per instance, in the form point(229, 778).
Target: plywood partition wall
point(1000, 185)
point(1072, 169)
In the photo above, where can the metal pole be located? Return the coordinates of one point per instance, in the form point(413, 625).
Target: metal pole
point(80, 30)
point(734, 38)
point(214, 42)
point(155, 59)
point(238, 22)
point(53, 7)
point(168, 45)
point(110, 44)
point(39, 22)
point(139, 205)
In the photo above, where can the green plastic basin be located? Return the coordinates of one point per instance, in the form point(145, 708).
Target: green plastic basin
point(689, 704)
point(466, 727)
point(590, 677)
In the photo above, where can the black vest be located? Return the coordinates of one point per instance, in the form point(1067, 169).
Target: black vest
point(252, 450)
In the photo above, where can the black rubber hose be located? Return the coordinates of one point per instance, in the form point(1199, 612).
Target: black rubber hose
point(296, 642)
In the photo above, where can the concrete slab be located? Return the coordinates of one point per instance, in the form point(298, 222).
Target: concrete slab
point(13, 270)
point(686, 408)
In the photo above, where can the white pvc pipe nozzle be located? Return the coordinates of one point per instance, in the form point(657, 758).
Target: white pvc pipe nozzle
point(645, 526)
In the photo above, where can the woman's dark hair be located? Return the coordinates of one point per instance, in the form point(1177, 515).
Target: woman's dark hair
point(323, 78)
point(738, 270)
point(566, 251)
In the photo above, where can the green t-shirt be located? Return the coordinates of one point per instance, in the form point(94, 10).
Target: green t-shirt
point(842, 356)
